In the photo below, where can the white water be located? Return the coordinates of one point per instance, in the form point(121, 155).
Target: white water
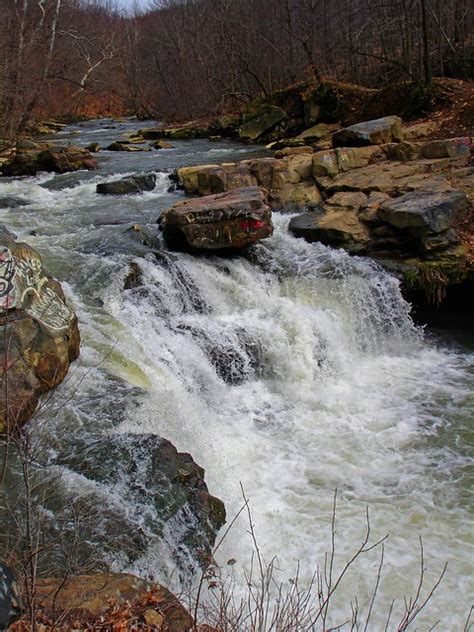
point(338, 390)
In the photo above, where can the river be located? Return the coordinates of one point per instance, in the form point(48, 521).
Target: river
point(318, 380)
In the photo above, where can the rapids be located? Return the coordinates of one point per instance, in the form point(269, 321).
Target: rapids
point(292, 372)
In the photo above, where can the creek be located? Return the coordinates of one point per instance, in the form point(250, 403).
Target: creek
point(291, 373)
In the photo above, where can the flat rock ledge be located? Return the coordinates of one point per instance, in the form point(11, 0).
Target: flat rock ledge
point(40, 335)
point(228, 221)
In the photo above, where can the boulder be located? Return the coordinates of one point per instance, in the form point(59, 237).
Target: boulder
point(57, 159)
point(261, 121)
point(334, 227)
point(424, 212)
point(376, 132)
point(227, 221)
point(40, 334)
point(109, 600)
point(132, 184)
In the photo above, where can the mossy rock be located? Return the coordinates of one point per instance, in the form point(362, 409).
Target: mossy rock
point(260, 120)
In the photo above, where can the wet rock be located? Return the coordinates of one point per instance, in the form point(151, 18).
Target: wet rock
point(227, 221)
point(124, 146)
point(161, 144)
point(144, 236)
point(134, 276)
point(376, 132)
point(94, 147)
point(57, 159)
point(260, 121)
point(8, 596)
point(40, 333)
point(166, 489)
point(93, 598)
point(126, 186)
point(12, 202)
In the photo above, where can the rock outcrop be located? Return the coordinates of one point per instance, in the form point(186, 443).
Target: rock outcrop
point(124, 186)
point(40, 335)
point(226, 221)
point(57, 159)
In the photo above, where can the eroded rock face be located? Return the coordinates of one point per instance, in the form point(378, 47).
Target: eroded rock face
point(376, 132)
point(133, 184)
point(40, 334)
point(57, 159)
point(227, 221)
point(103, 599)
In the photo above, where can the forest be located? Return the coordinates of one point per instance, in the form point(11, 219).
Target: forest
point(188, 58)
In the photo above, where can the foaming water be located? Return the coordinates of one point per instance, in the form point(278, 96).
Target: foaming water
point(296, 375)
point(294, 372)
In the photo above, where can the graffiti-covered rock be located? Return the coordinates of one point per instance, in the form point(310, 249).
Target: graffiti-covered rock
point(40, 335)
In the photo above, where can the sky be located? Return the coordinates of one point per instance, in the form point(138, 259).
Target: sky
point(128, 4)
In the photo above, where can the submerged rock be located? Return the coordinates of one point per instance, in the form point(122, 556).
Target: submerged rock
point(12, 202)
point(124, 186)
point(57, 159)
point(227, 221)
point(376, 132)
point(40, 334)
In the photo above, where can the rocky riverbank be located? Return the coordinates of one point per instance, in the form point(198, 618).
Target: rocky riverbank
point(405, 203)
